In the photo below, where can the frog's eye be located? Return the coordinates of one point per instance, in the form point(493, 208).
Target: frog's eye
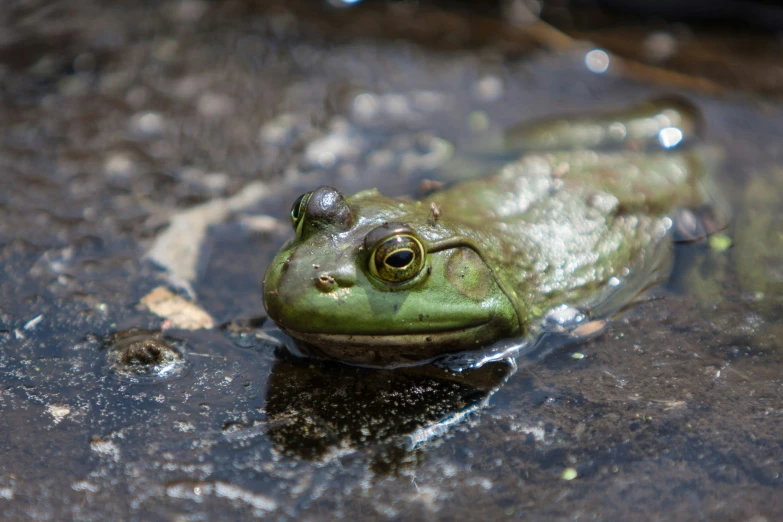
point(397, 259)
point(298, 211)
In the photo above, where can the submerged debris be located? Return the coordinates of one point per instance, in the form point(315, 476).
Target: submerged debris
point(141, 355)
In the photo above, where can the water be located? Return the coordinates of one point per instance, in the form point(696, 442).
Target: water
point(672, 411)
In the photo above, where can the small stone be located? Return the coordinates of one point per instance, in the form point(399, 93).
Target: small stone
point(58, 412)
point(214, 105)
point(184, 426)
point(148, 123)
point(429, 101)
point(119, 165)
point(396, 105)
point(489, 89)
point(569, 474)
point(478, 121)
point(326, 152)
point(588, 329)
point(32, 323)
point(215, 181)
point(280, 130)
point(105, 448)
point(720, 242)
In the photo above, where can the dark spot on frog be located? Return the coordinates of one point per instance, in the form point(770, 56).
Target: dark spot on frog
point(421, 317)
point(428, 339)
point(396, 307)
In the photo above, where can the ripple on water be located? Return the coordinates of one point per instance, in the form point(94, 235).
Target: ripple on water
point(145, 356)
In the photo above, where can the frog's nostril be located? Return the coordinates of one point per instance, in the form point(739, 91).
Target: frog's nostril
point(330, 281)
point(325, 282)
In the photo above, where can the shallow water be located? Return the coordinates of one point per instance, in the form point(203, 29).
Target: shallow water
point(112, 128)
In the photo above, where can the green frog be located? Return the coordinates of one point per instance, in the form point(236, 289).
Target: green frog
point(379, 281)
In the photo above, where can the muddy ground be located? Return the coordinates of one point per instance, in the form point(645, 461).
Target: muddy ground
point(121, 121)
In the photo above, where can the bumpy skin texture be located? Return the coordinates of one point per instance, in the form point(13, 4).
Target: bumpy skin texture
point(551, 228)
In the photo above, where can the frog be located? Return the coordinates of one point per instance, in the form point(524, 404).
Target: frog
point(586, 203)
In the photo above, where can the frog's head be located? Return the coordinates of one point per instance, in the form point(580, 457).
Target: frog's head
point(378, 281)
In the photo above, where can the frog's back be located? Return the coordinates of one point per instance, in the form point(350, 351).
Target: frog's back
point(559, 226)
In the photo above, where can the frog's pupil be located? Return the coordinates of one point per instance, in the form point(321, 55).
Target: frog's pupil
point(400, 259)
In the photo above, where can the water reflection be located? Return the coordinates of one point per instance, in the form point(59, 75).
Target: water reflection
point(317, 410)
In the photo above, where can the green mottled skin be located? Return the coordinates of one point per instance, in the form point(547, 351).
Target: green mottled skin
point(551, 228)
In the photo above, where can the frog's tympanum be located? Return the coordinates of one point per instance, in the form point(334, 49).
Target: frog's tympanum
point(374, 280)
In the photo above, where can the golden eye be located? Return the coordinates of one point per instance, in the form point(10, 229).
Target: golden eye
point(298, 211)
point(397, 259)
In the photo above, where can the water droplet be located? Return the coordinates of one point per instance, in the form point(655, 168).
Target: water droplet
point(343, 3)
point(597, 61)
point(669, 137)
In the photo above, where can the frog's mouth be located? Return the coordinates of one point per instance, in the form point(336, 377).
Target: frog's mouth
point(384, 350)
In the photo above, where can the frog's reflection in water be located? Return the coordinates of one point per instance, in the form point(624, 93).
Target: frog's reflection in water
point(318, 409)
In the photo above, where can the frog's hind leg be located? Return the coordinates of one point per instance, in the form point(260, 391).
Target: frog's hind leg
point(661, 123)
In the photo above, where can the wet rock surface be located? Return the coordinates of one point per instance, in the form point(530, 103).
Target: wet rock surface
point(119, 120)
